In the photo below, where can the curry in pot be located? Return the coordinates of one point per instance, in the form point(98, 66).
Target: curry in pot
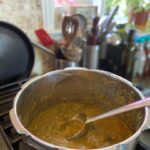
point(50, 126)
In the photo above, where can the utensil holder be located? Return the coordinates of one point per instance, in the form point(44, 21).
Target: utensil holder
point(91, 56)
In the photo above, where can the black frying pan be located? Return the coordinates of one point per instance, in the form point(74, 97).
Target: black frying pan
point(16, 54)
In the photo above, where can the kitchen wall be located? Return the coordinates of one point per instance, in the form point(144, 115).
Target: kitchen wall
point(26, 14)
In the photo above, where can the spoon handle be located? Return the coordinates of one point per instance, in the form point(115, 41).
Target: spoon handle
point(132, 106)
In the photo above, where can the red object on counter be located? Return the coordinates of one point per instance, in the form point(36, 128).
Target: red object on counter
point(44, 38)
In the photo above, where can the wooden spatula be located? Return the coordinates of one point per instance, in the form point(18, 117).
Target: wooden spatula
point(69, 29)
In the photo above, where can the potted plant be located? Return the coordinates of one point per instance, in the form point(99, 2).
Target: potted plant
point(139, 10)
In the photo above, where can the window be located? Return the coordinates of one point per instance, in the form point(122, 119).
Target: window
point(53, 11)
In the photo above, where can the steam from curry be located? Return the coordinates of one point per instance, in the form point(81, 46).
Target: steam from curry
point(50, 126)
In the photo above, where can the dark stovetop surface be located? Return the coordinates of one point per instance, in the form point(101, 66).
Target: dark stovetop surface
point(10, 140)
point(3, 145)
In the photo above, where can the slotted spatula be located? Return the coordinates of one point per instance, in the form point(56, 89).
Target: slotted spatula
point(69, 29)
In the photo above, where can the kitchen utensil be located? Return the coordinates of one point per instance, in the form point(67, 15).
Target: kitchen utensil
point(44, 38)
point(85, 120)
point(105, 25)
point(82, 24)
point(73, 53)
point(49, 51)
point(79, 41)
point(93, 35)
point(58, 63)
point(111, 26)
point(69, 29)
point(109, 19)
point(16, 54)
point(83, 85)
point(95, 23)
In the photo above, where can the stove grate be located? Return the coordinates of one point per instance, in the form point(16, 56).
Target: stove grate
point(9, 139)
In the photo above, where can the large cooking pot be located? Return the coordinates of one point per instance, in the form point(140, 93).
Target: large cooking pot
point(77, 83)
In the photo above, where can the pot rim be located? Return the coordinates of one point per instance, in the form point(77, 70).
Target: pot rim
point(23, 130)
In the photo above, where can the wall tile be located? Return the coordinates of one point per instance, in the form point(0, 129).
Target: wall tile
point(26, 14)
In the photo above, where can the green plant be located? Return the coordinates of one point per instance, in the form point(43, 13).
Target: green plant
point(111, 3)
point(132, 5)
point(138, 11)
point(138, 5)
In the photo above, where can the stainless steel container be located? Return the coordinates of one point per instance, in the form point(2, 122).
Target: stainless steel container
point(91, 57)
point(77, 83)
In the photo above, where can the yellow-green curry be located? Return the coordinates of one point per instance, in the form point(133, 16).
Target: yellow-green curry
point(50, 126)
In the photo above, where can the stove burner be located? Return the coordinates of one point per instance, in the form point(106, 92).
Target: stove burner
point(9, 139)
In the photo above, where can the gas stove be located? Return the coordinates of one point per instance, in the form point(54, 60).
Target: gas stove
point(10, 140)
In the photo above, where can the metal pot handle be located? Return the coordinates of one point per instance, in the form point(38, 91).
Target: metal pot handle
point(16, 123)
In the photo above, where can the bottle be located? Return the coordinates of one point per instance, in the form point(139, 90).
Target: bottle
point(147, 53)
point(129, 53)
point(139, 59)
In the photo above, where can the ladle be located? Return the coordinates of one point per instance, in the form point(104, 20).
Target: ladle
point(85, 120)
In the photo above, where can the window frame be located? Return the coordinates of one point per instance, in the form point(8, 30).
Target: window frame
point(48, 12)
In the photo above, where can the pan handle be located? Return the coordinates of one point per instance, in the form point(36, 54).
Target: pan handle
point(17, 125)
point(43, 48)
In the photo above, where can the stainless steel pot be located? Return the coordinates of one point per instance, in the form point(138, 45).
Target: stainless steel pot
point(77, 83)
